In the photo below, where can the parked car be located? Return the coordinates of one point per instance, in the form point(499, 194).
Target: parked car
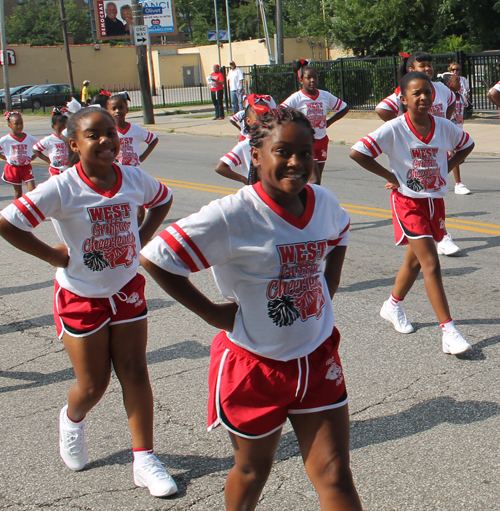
point(54, 94)
point(13, 90)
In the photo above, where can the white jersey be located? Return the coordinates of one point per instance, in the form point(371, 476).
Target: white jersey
point(458, 115)
point(130, 138)
point(239, 118)
point(57, 151)
point(442, 98)
point(17, 152)
point(496, 86)
point(240, 155)
point(99, 228)
point(464, 86)
point(315, 108)
point(420, 164)
point(273, 271)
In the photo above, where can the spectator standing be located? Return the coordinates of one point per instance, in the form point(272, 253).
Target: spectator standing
point(216, 85)
point(85, 93)
point(235, 79)
point(455, 68)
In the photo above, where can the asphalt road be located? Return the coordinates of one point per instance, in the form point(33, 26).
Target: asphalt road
point(424, 424)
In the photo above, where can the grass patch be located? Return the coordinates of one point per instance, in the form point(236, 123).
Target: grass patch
point(200, 116)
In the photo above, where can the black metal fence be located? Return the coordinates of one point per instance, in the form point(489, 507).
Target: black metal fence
point(363, 83)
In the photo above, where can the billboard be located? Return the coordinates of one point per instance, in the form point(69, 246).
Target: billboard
point(114, 19)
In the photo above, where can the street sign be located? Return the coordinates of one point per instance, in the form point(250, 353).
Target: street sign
point(212, 35)
point(141, 35)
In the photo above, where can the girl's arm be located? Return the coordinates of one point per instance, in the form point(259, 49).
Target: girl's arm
point(370, 164)
point(385, 115)
point(224, 170)
point(27, 242)
point(2, 157)
point(181, 289)
point(337, 116)
point(40, 155)
point(235, 124)
point(149, 150)
point(333, 268)
point(459, 157)
point(494, 96)
point(153, 220)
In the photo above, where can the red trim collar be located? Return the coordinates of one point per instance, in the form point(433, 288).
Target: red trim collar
point(110, 193)
point(124, 132)
point(17, 139)
point(299, 223)
point(314, 98)
point(428, 138)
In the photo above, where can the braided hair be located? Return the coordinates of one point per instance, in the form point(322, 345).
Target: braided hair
point(267, 123)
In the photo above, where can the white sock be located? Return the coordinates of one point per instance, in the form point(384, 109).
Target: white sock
point(448, 326)
point(140, 456)
point(70, 424)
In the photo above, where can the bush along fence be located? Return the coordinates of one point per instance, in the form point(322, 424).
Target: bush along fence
point(363, 83)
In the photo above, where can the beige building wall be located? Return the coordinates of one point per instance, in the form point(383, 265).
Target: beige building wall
point(116, 67)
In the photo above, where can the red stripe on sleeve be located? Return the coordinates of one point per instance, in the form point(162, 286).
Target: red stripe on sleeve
point(34, 207)
point(391, 105)
point(463, 141)
point(160, 196)
point(232, 157)
point(179, 250)
point(26, 212)
point(39, 147)
point(193, 245)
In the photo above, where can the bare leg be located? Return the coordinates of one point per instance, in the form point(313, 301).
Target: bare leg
point(92, 365)
point(253, 462)
point(316, 175)
point(128, 352)
point(407, 274)
point(324, 443)
point(426, 253)
point(456, 174)
point(31, 185)
point(18, 191)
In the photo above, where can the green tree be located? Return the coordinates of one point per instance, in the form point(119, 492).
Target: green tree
point(39, 24)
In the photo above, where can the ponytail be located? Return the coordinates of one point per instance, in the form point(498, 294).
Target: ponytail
point(409, 60)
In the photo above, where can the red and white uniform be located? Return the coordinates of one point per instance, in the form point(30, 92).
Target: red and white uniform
point(442, 98)
point(130, 138)
point(464, 86)
point(57, 152)
point(315, 108)
point(420, 164)
point(240, 155)
point(239, 118)
point(458, 115)
point(99, 227)
point(273, 271)
point(17, 152)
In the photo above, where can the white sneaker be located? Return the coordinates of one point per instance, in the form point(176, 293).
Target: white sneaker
point(447, 247)
point(396, 315)
point(461, 189)
point(72, 445)
point(151, 474)
point(454, 343)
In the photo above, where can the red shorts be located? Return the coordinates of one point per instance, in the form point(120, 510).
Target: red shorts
point(321, 149)
point(417, 218)
point(15, 175)
point(80, 317)
point(252, 396)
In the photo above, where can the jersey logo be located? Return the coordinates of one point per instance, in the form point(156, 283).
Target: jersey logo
point(111, 243)
point(298, 292)
point(426, 173)
point(334, 371)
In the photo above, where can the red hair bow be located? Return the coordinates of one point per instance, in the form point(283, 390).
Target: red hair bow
point(8, 114)
point(405, 55)
point(102, 91)
point(259, 103)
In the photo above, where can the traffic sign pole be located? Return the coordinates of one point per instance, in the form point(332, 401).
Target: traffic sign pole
point(216, 29)
point(142, 63)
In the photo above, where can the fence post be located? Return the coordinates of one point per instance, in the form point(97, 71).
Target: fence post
point(163, 94)
point(395, 70)
point(255, 83)
point(201, 94)
point(342, 92)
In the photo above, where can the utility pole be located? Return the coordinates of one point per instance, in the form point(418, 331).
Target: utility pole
point(142, 69)
point(217, 29)
point(66, 44)
point(279, 31)
point(229, 30)
point(6, 85)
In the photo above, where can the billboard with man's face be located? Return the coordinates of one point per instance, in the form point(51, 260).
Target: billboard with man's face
point(114, 19)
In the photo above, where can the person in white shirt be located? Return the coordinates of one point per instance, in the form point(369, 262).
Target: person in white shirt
point(276, 249)
point(235, 78)
point(417, 145)
point(443, 105)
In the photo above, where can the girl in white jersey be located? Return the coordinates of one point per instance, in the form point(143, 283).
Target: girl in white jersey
point(443, 105)
point(277, 354)
point(315, 104)
point(417, 146)
point(99, 304)
point(131, 136)
point(16, 149)
point(57, 149)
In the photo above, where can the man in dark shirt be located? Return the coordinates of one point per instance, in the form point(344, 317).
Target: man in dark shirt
point(113, 25)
